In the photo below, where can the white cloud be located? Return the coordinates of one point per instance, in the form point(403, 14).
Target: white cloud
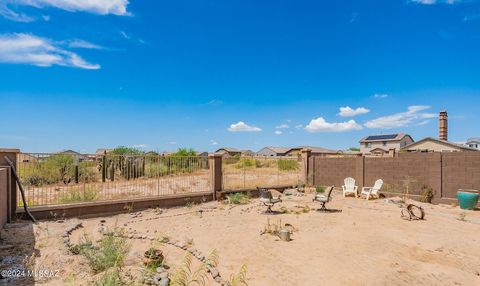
point(320, 125)
point(172, 143)
point(299, 126)
point(242, 127)
point(347, 111)
point(431, 2)
point(282, 126)
point(100, 7)
point(140, 146)
point(278, 132)
point(213, 142)
point(9, 14)
point(380, 95)
point(37, 51)
point(82, 44)
point(411, 116)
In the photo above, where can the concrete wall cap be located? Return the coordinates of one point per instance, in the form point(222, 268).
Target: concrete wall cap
point(9, 150)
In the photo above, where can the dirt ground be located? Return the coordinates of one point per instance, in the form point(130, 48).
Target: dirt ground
point(362, 243)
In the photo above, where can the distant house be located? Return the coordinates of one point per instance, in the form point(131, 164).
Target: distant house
point(435, 145)
point(273, 151)
point(383, 144)
point(101, 151)
point(247, 153)
point(202, 154)
point(229, 152)
point(473, 143)
point(75, 155)
point(316, 151)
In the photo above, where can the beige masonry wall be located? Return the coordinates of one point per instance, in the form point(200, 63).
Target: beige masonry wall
point(3, 196)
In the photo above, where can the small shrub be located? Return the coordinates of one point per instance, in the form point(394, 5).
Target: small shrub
point(246, 162)
point(287, 165)
point(427, 194)
point(240, 278)
point(184, 275)
point(320, 189)
point(76, 195)
point(111, 251)
point(238, 198)
point(113, 277)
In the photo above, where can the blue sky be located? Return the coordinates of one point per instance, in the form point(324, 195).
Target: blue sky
point(206, 74)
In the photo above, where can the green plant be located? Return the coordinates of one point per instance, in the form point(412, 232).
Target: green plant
point(246, 162)
point(122, 150)
point(75, 195)
point(111, 251)
point(184, 275)
point(320, 189)
point(184, 152)
point(238, 198)
point(287, 165)
point(153, 258)
point(240, 278)
point(114, 277)
point(427, 194)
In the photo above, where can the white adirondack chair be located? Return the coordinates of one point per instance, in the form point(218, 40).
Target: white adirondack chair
point(372, 191)
point(349, 187)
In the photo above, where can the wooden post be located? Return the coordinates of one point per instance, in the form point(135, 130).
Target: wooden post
point(215, 163)
point(12, 154)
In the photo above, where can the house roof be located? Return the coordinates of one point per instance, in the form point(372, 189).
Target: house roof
point(278, 150)
point(316, 149)
point(384, 137)
point(68, 152)
point(443, 142)
point(228, 149)
point(102, 151)
point(474, 139)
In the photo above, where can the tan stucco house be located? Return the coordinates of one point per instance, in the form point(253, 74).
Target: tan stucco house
point(383, 144)
point(430, 144)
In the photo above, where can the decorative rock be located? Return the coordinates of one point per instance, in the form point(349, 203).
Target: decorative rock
point(214, 272)
point(164, 282)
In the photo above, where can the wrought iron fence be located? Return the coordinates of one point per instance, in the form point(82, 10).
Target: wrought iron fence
point(63, 178)
point(251, 172)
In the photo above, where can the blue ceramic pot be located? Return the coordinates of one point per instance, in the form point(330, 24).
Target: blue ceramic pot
point(467, 199)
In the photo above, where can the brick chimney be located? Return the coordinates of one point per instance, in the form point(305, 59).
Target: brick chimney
point(443, 131)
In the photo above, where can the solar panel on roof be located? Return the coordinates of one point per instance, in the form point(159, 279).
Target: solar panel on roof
point(382, 137)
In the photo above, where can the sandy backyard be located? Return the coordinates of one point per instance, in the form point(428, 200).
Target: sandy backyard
point(367, 243)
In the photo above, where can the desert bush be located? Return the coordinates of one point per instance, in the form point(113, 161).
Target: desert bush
point(320, 189)
point(238, 198)
point(53, 169)
point(184, 275)
point(111, 251)
point(76, 195)
point(246, 162)
point(114, 277)
point(184, 152)
point(153, 170)
point(240, 278)
point(287, 165)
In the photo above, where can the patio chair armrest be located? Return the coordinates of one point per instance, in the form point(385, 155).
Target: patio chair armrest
point(343, 188)
point(356, 188)
point(368, 189)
